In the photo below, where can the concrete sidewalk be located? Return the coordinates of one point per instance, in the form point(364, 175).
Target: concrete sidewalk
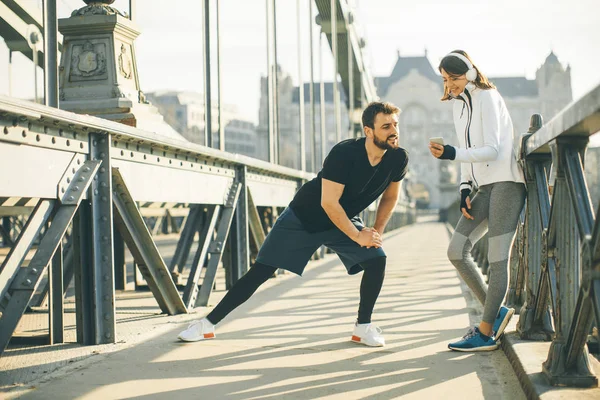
point(292, 340)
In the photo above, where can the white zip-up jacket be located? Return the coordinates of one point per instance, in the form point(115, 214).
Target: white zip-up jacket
point(485, 134)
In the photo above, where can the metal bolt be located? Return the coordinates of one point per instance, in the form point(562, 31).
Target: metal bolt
point(75, 188)
point(106, 297)
point(104, 258)
point(94, 142)
point(102, 141)
point(96, 192)
point(103, 184)
point(33, 271)
point(106, 317)
point(71, 198)
point(104, 219)
point(107, 335)
point(103, 169)
point(106, 278)
point(105, 238)
point(86, 169)
point(81, 179)
point(27, 282)
point(102, 155)
point(104, 198)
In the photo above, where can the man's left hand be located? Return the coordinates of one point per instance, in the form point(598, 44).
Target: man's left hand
point(377, 241)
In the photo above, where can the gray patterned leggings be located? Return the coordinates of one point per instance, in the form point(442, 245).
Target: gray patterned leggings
point(495, 207)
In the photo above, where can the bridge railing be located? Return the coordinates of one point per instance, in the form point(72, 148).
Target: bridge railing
point(74, 190)
point(561, 240)
point(555, 259)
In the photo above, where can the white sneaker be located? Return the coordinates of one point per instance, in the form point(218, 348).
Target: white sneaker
point(198, 330)
point(368, 334)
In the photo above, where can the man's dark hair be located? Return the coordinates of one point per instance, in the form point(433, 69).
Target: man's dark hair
point(374, 108)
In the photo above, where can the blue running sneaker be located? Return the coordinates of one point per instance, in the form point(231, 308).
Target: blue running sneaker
point(502, 320)
point(473, 341)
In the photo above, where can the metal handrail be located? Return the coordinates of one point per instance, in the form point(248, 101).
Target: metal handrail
point(561, 261)
point(38, 112)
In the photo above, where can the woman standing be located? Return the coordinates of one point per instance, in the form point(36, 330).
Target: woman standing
point(488, 161)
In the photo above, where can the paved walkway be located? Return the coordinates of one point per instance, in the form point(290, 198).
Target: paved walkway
point(291, 340)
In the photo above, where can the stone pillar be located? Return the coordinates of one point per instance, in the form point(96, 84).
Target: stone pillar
point(98, 73)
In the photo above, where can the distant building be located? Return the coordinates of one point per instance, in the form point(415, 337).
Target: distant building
point(289, 121)
point(184, 111)
point(416, 87)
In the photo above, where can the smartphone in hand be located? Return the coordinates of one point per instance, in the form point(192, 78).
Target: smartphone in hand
point(437, 140)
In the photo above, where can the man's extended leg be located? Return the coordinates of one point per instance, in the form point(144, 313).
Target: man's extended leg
point(287, 246)
point(238, 294)
point(241, 291)
point(370, 287)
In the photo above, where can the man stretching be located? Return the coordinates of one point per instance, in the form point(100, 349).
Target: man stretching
point(324, 212)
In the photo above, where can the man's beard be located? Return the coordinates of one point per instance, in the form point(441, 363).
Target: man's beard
point(383, 144)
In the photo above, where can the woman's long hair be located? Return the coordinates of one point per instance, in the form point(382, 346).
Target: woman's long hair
point(456, 67)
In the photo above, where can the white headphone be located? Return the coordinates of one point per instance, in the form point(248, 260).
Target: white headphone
point(471, 74)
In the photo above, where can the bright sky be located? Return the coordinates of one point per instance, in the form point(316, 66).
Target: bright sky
point(504, 37)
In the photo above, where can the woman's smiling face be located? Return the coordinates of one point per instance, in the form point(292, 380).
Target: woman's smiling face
point(454, 84)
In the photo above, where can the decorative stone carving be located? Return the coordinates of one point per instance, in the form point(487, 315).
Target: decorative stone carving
point(98, 8)
point(116, 92)
point(125, 67)
point(88, 61)
point(142, 98)
point(98, 73)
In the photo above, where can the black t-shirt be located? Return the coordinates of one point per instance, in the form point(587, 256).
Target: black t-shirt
point(348, 164)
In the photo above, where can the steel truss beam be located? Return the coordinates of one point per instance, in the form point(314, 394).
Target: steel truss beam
point(217, 244)
point(139, 241)
point(184, 245)
point(55, 303)
point(16, 256)
point(24, 284)
point(190, 293)
point(240, 236)
point(5, 235)
point(67, 261)
point(256, 229)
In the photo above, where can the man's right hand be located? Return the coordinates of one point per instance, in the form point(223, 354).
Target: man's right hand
point(368, 238)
